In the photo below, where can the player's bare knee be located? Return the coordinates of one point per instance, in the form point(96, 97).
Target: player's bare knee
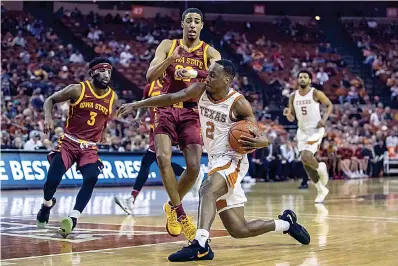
point(193, 167)
point(164, 160)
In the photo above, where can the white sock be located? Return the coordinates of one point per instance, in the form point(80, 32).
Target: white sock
point(318, 185)
point(47, 203)
point(75, 214)
point(281, 225)
point(202, 235)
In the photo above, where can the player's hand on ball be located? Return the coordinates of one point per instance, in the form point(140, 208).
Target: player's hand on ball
point(321, 124)
point(48, 125)
point(126, 109)
point(182, 73)
point(251, 144)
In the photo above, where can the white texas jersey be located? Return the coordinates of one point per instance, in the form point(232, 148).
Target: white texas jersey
point(216, 119)
point(307, 111)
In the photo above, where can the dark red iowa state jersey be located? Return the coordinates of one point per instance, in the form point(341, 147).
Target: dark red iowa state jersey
point(195, 58)
point(88, 116)
point(151, 90)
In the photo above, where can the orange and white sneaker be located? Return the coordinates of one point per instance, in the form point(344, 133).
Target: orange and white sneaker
point(188, 228)
point(173, 227)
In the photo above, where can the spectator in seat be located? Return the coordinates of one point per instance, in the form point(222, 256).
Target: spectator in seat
point(76, 57)
point(19, 40)
point(378, 158)
point(34, 143)
point(322, 76)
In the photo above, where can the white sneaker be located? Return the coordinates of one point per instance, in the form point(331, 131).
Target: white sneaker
point(125, 204)
point(322, 193)
point(196, 187)
point(323, 173)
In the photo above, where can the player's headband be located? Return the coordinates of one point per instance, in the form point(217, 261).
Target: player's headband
point(101, 65)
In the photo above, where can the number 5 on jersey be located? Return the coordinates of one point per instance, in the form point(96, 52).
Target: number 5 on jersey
point(91, 121)
point(304, 110)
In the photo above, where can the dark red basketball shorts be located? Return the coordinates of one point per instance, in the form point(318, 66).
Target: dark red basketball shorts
point(71, 153)
point(182, 125)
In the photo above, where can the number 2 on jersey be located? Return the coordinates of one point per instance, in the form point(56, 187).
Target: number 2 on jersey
point(181, 67)
point(91, 121)
point(210, 130)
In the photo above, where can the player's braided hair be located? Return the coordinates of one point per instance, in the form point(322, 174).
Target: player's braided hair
point(192, 10)
point(228, 66)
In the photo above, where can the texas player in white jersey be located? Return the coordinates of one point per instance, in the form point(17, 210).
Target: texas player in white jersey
point(219, 108)
point(304, 105)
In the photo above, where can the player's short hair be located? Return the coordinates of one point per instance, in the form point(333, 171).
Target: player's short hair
point(192, 10)
point(228, 66)
point(305, 72)
point(98, 60)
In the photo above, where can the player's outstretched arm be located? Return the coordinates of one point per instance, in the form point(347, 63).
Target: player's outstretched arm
point(289, 111)
point(70, 92)
point(242, 110)
point(323, 99)
point(192, 92)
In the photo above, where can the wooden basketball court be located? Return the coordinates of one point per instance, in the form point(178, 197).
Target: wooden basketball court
point(358, 225)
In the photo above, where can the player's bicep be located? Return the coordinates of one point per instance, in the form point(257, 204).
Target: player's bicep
point(213, 55)
point(322, 98)
point(242, 110)
point(70, 92)
point(160, 53)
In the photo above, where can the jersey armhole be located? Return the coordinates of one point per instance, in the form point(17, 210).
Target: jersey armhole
point(81, 95)
point(232, 116)
point(173, 45)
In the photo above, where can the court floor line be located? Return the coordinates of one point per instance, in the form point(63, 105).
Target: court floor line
point(102, 250)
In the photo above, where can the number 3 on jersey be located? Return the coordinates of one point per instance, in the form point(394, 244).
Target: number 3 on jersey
point(181, 67)
point(210, 130)
point(91, 121)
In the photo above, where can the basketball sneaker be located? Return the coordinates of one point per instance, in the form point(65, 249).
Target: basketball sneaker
point(67, 226)
point(323, 173)
point(322, 193)
point(44, 214)
point(193, 252)
point(172, 225)
point(127, 204)
point(296, 231)
point(187, 227)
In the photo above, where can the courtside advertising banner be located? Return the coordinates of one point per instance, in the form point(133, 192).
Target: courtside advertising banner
point(24, 170)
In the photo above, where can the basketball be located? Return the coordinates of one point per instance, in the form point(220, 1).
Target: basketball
point(241, 128)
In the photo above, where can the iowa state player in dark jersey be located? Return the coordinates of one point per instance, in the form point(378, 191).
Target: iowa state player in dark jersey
point(151, 89)
point(91, 106)
point(180, 62)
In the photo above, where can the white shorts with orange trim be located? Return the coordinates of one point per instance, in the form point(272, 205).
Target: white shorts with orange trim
point(233, 169)
point(311, 140)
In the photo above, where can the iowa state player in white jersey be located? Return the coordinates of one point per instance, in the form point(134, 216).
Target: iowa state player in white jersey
point(219, 108)
point(304, 105)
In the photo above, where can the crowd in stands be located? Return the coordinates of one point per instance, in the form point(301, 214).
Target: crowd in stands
point(379, 44)
point(35, 63)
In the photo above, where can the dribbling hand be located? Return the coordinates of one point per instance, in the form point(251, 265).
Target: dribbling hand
point(251, 144)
